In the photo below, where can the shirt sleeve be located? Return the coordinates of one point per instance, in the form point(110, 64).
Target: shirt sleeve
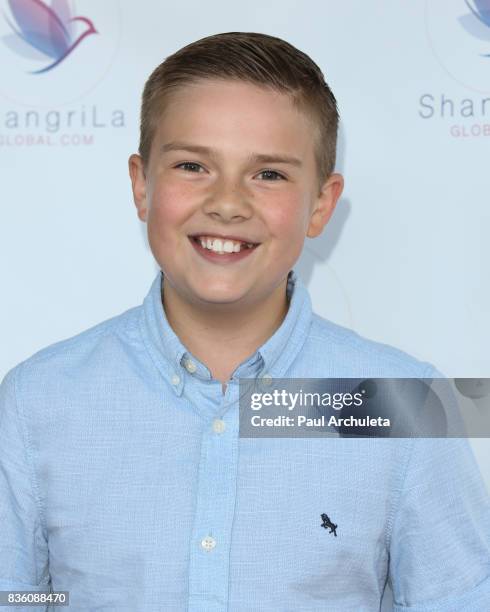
point(439, 549)
point(23, 547)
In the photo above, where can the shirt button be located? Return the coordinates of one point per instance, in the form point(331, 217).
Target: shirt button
point(208, 543)
point(175, 380)
point(190, 366)
point(267, 379)
point(218, 426)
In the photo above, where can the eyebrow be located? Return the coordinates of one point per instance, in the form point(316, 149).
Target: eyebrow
point(261, 158)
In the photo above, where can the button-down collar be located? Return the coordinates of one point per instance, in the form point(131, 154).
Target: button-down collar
point(174, 361)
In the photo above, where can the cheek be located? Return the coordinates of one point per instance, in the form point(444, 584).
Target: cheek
point(168, 206)
point(288, 217)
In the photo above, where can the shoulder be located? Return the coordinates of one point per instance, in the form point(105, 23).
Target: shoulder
point(90, 351)
point(351, 354)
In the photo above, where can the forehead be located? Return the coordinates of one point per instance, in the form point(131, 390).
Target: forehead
point(235, 116)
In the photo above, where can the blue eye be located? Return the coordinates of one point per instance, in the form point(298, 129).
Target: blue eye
point(189, 166)
point(272, 175)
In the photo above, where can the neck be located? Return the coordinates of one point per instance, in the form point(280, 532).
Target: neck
point(224, 335)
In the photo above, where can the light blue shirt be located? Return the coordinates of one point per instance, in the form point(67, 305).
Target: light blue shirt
point(123, 480)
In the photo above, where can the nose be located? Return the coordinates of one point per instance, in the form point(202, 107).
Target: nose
point(228, 202)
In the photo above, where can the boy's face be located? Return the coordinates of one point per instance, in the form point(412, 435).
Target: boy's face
point(231, 159)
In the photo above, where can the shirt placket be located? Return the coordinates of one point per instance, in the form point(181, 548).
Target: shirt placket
point(209, 563)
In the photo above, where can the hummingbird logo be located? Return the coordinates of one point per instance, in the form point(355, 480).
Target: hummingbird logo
point(477, 22)
point(43, 31)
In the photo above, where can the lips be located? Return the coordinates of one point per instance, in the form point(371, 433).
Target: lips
point(242, 239)
point(223, 257)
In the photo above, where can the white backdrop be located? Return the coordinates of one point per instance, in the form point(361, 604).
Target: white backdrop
point(404, 259)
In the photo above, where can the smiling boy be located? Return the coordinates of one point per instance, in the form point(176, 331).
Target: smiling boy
point(233, 161)
point(123, 478)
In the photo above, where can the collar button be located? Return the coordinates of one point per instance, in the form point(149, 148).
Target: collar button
point(190, 366)
point(175, 380)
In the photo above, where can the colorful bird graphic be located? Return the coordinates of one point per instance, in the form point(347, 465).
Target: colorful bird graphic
point(45, 31)
point(481, 10)
point(477, 22)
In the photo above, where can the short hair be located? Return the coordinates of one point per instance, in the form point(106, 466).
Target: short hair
point(252, 57)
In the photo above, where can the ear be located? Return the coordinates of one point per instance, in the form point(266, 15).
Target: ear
point(138, 183)
point(325, 204)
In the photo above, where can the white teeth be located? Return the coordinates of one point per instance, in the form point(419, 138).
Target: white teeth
point(217, 245)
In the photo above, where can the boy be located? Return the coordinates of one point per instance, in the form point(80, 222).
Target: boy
point(123, 479)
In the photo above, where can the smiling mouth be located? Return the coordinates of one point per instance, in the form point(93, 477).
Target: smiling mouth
point(222, 257)
point(222, 246)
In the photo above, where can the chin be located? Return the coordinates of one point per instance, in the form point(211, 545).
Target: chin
point(216, 293)
point(218, 297)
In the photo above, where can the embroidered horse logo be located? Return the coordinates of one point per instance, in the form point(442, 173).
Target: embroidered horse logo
point(327, 523)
